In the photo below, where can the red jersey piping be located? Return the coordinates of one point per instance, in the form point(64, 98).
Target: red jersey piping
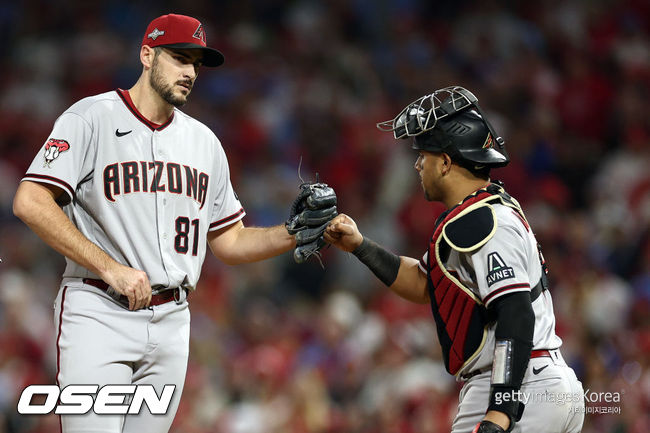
point(126, 98)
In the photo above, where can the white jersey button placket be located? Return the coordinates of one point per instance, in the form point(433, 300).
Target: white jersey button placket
point(161, 217)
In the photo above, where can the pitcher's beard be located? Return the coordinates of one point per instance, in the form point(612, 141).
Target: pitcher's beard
point(166, 91)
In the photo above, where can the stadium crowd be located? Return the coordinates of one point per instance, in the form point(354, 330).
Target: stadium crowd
point(280, 347)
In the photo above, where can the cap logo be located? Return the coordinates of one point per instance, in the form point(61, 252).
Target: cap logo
point(489, 143)
point(153, 35)
point(199, 34)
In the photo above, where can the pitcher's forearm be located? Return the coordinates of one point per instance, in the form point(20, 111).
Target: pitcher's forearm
point(237, 244)
point(34, 204)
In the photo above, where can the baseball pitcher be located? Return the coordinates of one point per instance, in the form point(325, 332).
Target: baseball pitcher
point(483, 274)
point(131, 191)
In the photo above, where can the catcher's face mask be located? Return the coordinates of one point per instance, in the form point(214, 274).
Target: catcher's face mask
point(436, 114)
point(423, 114)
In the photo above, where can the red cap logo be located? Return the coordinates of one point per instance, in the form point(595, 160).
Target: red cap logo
point(489, 143)
point(200, 34)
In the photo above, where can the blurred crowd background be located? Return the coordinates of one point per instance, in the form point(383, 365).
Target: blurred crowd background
point(278, 347)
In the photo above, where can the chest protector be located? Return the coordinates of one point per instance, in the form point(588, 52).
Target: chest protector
point(461, 317)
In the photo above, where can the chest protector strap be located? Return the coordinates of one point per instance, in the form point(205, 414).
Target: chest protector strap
point(461, 317)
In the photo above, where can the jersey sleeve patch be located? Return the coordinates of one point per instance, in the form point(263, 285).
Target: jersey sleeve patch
point(497, 269)
point(67, 155)
point(471, 229)
point(53, 148)
point(503, 264)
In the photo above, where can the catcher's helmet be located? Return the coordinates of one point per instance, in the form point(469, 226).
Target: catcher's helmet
point(450, 120)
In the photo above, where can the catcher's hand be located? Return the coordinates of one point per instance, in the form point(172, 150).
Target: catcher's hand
point(343, 233)
point(311, 212)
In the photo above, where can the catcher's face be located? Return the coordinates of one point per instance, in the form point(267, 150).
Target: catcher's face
point(173, 73)
point(429, 166)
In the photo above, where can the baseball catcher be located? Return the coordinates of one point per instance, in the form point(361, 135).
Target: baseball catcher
point(483, 274)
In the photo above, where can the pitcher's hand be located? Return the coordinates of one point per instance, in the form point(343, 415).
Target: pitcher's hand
point(132, 283)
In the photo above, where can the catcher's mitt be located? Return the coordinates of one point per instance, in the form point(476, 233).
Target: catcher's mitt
point(311, 212)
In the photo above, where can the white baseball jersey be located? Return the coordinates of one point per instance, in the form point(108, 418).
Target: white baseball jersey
point(507, 263)
point(146, 194)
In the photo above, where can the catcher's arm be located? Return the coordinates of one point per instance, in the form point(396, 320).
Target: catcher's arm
point(401, 274)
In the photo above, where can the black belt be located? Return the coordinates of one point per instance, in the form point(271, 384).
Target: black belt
point(158, 299)
point(542, 353)
point(537, 290)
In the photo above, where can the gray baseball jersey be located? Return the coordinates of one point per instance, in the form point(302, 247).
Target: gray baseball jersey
point(507, 263)
point(146, 194)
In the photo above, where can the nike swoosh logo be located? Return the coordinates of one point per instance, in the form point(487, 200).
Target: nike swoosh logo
point(122, 134)
point(539, 370)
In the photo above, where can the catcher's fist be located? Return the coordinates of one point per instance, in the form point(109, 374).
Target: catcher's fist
point(343, 233)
